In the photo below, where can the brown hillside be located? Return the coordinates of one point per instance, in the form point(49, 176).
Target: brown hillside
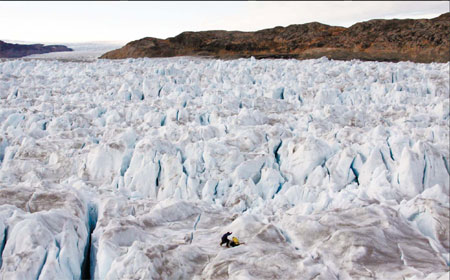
point(421, 40)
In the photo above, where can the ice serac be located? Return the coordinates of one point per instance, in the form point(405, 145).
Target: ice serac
point(302, 156)
point(44, 234)
point(148, 239)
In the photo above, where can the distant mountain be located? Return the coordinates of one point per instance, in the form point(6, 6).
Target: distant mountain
point(418, 40)
point(82, 51)
point(8, 50)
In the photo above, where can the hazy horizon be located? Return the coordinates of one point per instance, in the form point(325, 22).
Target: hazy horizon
point(121, 22)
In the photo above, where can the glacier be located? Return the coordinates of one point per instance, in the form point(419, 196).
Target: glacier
point(82, 52)
point(133, 169)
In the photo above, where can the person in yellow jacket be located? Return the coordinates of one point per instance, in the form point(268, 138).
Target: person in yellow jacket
point(230, 243)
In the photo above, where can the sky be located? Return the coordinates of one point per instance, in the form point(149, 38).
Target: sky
point(123, 21)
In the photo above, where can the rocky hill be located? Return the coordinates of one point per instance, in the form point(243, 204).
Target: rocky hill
point(420, 40)
point(8, 50)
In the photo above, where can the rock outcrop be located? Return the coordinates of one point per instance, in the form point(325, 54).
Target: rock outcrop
point(418, 40)
point(8, 50)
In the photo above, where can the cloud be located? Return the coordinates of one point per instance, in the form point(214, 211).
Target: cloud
point(344, 13)
point(112, 21)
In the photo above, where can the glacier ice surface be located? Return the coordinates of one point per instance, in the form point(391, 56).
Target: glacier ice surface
point(133, 169)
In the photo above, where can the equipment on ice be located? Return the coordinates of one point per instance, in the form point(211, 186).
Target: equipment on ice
point(234, 242)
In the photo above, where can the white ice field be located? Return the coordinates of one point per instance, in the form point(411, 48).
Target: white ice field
point(133, 169)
